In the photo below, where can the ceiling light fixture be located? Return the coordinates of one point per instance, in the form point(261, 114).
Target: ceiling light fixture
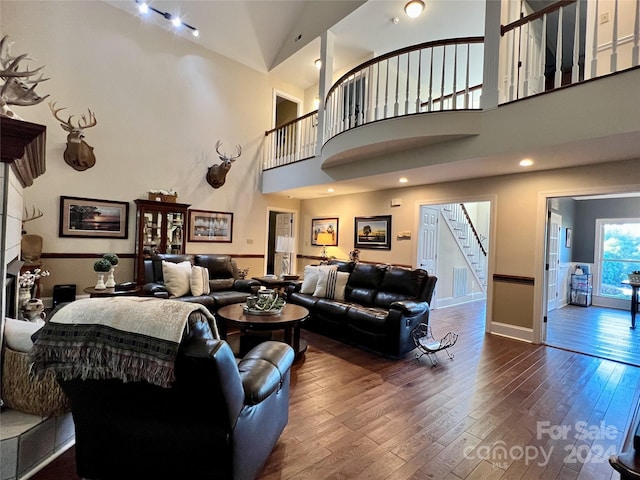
point(527, 162)
point(414, 8)
point(403, 180)
point(318, 63)
point(145, 8)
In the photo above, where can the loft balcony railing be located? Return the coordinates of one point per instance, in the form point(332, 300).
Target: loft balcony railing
point(429, 77)
point(568, 42)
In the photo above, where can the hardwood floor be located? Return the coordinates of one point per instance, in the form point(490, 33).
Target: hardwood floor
point(603, 332)
point(496, 411)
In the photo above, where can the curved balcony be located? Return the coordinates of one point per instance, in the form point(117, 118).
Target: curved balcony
point(440, 76)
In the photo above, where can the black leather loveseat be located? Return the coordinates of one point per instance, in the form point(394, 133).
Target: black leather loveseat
point(225, 284)
point(382, 304)
point(218, 419)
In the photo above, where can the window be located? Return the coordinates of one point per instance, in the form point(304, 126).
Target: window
point(619, 254)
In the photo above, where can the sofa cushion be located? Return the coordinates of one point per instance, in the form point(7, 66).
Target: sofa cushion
point(17, 333)
point(177, 278)
point(367, 318)
point(303, 299)
point(220, 266)
point(199, 281)
point(224, 298)
point(400, 284)
point(331, 284)
point(364, 282)
point(219, 284)
point(331, 308)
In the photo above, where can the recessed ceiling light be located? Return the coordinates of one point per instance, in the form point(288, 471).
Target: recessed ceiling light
point(143, 8)
point(330, 190)
point(527, 162)
point(403, 180)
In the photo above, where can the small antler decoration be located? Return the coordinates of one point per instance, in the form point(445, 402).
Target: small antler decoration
point(78, 153)
point(217, 174)
point(15, 90)
point(28, 217)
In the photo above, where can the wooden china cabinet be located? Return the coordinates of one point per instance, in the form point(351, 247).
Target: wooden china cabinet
point(161, 227)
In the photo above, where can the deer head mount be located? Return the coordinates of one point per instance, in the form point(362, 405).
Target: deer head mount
point(78, 153)
point(217, 174)
point(30, 216)
point(16, 90)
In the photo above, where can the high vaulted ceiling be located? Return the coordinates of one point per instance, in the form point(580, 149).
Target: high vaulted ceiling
point(283, 36)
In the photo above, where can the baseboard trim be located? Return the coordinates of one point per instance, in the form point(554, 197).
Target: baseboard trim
point(512, 331)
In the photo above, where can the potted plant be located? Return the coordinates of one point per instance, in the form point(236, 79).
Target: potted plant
point(101, 267)
point(113, 260)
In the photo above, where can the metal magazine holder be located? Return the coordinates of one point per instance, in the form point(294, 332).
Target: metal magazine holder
point(428, 345)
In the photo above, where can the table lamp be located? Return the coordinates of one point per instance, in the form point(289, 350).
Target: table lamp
point(285, 245)
point(324, 239)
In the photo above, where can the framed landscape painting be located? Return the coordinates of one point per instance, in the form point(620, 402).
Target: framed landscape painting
point(372, 232)
point(207, 226)
point(93, 218)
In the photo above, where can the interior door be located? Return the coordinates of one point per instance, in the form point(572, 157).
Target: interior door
point(553, 260)
point(428, 241)
point(283, 228)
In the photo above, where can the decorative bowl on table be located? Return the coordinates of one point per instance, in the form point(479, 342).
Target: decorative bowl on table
point(267, 302)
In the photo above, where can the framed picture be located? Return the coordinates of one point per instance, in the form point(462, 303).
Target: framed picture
point(372, 232)
point(567, 238)
point(89, 217)
point(206, 226)
point(324, 230)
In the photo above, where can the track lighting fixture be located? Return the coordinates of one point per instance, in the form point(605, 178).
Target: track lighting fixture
point(175, 20)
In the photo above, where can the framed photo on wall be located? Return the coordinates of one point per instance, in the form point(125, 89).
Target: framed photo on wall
point(207, 226)
point(93, 218)
point(568, 238)
point(324, 230)
point(372, 232)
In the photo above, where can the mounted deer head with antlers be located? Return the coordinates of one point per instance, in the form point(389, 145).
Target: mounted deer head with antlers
point(15, 90)
point(217, 174)
point(78, 153)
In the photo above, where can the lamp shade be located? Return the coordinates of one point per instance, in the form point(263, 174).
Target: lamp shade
point(325, 239)
point(285, 244)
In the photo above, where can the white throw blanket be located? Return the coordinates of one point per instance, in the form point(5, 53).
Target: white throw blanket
point(129, 338)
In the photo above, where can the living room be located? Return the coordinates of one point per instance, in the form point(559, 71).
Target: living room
point(161, 105)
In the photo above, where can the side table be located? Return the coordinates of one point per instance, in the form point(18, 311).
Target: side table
point(634, 300)
point(111, 292)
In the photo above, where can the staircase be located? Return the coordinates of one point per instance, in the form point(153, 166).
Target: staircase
point(469, 241)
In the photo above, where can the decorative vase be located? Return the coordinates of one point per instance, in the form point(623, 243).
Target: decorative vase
point(111, 281)
point(24, 295)
point(33, 310)
point(100, 285)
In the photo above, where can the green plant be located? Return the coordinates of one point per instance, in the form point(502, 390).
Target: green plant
point(102, 265)
point(112, 258)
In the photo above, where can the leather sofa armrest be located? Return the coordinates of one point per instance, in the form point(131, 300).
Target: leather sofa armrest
point(244, 285)
point(154, 290)
point(263, 370)
point(410, 308)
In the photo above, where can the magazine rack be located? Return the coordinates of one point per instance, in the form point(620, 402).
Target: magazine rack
point(428, 345)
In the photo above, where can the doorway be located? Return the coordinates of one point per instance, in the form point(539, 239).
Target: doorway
point(286, 108)
point(281, 223)
point(453, 244)
point(597, 324)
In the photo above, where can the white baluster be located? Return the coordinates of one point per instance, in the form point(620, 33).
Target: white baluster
point(513, 66)
point(420, 80)
point(444, 58)
point(430, 100)
point(455, 77)
point(466, 82)
point(575, 67)
point(543, 50)
point(635, 51)
point(377, 92)
point(386, 89)
point(558, 76)
point(406, 93)
point(594, 47)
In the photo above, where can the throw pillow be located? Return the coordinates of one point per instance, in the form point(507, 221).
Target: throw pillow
point(331, 284)
point(311, 275)
point(177, 278)
point(17, 333)
point(199, 281)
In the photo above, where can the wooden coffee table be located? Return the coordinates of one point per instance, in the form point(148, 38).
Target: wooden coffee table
point(288, 320)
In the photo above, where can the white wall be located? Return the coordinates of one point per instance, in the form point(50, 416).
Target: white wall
point(161, 104)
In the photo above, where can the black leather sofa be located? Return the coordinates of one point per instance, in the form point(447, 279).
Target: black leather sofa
point(219, 419)
point(382, 305)
point(627, 462)
point(226, 285)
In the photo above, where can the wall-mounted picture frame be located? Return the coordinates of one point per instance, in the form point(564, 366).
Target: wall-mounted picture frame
point(93, 218)
point(372, 232)
point(208, 226)
point(568, 238)
point(324, 230)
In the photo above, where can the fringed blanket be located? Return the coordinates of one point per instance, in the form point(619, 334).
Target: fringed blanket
point(128, 338)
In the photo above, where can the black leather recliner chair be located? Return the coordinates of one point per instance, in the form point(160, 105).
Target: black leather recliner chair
point(219, 420)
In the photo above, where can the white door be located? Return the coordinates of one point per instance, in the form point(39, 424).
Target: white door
point(428, 240)
point(553, 247)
